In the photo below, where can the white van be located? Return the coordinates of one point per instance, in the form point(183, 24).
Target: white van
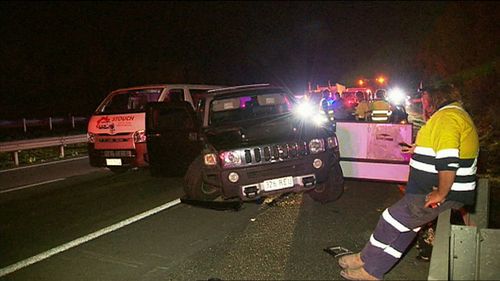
point(116, 130)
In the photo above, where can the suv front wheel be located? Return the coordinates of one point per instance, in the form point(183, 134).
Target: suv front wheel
point(194, 187)
point(332, 188)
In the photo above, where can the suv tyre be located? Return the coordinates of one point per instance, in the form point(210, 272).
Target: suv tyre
point(194, 187)
point(332, 188)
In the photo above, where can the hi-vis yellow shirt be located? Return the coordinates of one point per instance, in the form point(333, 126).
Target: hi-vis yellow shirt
point(448, 141)
point(380, 105)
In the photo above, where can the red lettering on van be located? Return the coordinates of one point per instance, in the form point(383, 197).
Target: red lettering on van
point(123, 118)
point(104, 123)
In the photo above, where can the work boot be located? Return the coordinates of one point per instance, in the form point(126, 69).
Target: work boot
point(357, 274)
point(352, 261)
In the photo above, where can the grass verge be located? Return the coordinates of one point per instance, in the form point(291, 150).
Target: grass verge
point(42, 155)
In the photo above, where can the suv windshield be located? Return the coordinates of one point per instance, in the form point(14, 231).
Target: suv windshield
point(248, 105)
point(129, 101)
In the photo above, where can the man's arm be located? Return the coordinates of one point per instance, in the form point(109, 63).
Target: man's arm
point(446, 179)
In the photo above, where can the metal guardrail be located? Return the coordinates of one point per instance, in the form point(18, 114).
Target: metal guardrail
point(467, 252)
point(42, 122)
point(16, 146)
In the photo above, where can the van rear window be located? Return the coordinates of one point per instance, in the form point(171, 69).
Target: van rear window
point(129, 101)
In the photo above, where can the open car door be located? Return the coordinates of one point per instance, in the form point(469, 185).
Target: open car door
point(173, 140)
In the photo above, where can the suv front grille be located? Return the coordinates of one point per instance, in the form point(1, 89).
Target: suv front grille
point(275, 152)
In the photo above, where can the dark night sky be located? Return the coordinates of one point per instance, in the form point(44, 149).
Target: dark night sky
point(62, 57)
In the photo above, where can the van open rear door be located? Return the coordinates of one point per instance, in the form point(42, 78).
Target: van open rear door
point(371, 150)
point(173, 141)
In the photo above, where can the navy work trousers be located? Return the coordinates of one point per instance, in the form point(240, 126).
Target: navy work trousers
point(396, 229)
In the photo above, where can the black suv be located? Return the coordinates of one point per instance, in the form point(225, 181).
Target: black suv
point(244, 143)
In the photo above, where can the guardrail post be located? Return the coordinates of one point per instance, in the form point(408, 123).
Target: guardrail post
point(468, 252)
point(61, 151)
point(463, 257)
point(24, 125)
point(440, 257)
point(50, 123)
point(73, 121)
point(489, 263)
point(16, 158)
point(480, 216)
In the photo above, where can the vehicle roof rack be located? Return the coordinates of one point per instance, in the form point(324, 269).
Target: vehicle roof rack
point(237, 87)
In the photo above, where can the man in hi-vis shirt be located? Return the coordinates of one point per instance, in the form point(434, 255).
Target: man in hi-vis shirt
point(442, 176)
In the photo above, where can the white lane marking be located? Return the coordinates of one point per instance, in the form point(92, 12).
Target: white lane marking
point(43, 164)
point(29, 261)
point(30, 185)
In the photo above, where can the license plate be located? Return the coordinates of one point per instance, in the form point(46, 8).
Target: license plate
point(113, 162)
point(276, 184)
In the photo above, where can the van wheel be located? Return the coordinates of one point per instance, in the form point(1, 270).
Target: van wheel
point(332, 188)
point(118, 170)
point(194, 187)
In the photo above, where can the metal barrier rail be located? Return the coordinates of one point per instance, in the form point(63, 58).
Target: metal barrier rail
point(48, 122)
point(467, 252)
point(16, 146)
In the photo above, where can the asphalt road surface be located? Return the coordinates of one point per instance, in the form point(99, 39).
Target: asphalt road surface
point(61, 231)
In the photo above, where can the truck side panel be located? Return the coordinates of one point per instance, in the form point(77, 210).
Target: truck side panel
point(372, 151)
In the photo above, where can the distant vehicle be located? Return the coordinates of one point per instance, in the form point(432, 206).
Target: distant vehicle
point(349, 95)
point(116, 130)
point(315, 95)
point(246, 142)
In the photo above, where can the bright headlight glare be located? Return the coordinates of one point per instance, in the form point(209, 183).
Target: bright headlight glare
point(319, 119)
point(396, 96)
point(304, 109)
point(231, 158)
point(316, 145)
point(210, 159)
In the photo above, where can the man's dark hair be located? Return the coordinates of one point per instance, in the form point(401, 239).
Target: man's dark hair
point(443, 94)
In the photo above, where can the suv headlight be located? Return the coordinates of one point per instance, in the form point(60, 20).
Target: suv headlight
point(320, 118)
point(316, 146)
point(332, 142)
point(307, 112)
point(304, 110)
point(230, 158)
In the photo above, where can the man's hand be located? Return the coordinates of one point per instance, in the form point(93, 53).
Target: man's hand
point(438, 194)
point(434, 199)
point(407, 148)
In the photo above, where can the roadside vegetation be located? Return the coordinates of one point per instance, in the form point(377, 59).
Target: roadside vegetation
point(469, 60)
point(12, 130)
point(42, 155)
